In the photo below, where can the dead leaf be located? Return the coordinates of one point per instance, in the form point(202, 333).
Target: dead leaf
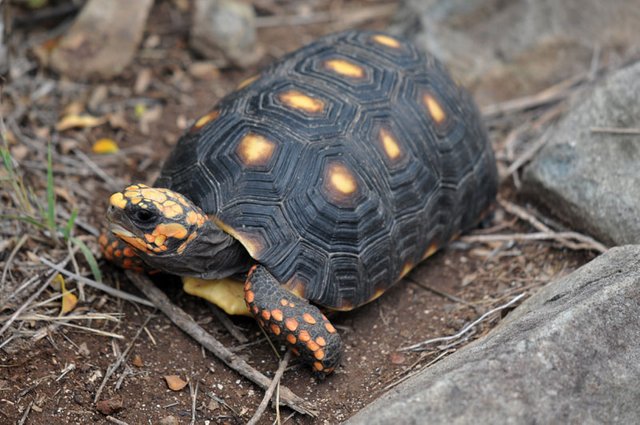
point(79, 121)
point(137, 361)
point(397, 358)
point(69, 300)
point(143, 81)
point(110, 406)
point(204, 71)
point(174, 382)
point(105, 146)
point(117, 120)
point(74, 108)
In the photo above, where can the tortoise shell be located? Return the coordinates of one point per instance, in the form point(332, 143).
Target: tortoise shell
point(341, 166)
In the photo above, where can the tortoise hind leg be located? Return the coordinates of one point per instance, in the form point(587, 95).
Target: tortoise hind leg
point(292, 319)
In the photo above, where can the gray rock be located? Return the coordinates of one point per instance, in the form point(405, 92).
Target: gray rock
point(592, 180)
point(568, 355)
point(224, 30)
point(511, 48)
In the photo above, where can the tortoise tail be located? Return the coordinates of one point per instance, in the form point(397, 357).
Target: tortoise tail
point(292, 319)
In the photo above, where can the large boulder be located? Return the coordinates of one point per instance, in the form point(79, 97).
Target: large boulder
point(511, 48)
point(589, 178)
point(570, 354)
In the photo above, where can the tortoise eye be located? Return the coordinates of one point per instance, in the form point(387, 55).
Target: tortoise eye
point(144, 216)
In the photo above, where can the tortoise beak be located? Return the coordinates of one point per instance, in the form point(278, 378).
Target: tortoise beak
point(115, 216)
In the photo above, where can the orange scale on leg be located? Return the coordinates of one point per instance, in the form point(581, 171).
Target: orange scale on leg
point(304, 336)
point(329, 327)
point(291, 339)
point(265, 314)
point(275, 329)
point(249, 296)
point(311, 345)
point(319, 354)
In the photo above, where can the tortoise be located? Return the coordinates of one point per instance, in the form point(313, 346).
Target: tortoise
point(319, 183)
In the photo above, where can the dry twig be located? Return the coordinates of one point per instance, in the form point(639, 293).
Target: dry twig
point(113, 367)
point(422, 345)
point(616, 130)
point(191, 328)
point(269, 393)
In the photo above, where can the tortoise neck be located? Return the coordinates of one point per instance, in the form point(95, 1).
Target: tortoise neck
point(215, 254)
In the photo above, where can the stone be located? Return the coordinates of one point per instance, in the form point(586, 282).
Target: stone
point(102, 40)
point(224, 30)
point(591, 179)
point(505, 49)
point(569, 354)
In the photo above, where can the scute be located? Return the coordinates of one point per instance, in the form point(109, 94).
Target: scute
point(340, 191)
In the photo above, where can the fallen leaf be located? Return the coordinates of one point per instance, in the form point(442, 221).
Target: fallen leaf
point(142, 81)
point(137, 361)
point(397, 358)
point(174, 382)
point(79, 121)
point(204, 71)
point(105, 146)
point(110, 406)
point(69, 300)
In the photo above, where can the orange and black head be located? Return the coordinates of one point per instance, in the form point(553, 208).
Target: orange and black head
point(154, 221)
point(169, 232)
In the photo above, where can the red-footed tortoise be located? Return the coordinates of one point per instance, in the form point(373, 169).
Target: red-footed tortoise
point(322, 181)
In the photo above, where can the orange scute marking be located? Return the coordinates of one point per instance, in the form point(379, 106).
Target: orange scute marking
point(341, 179)
point(390, 145)
point(291, 324)
point(309, 319)
point(275, 329)
point(344, 67)
point(406, 269)
point(244, 83)
point(205, 119)
point(434, 108)
point(277, 314)
point(432, 249)
point(386, 40)
point(297, 100)
point(254, 149)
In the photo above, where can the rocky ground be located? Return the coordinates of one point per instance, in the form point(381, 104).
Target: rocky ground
point(557, 84)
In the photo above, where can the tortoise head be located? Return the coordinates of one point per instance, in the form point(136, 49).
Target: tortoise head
point(172, 234)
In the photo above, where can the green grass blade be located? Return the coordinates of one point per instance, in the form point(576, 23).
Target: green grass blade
point(51, 196)
point(25, 219)
point(69, 227)
point(91, 260)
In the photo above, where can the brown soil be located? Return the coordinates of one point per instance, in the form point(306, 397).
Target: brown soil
point(32, 383)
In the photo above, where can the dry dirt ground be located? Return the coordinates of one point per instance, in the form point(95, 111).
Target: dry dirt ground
point(50, 373)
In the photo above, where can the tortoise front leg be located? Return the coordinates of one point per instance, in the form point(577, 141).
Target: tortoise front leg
point(120, 253)
point(292, 319)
